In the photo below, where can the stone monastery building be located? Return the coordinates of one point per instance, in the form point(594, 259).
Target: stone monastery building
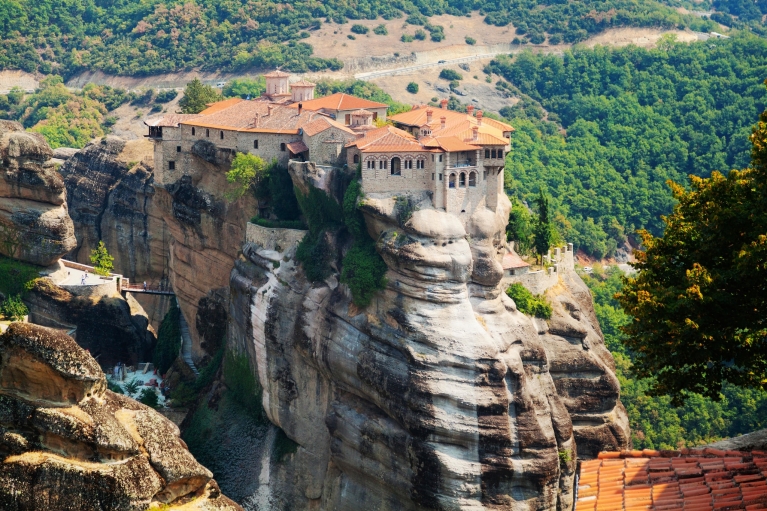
point(457, 157)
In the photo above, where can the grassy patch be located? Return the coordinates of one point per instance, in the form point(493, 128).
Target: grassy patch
point(16, 277)
point(527, 303)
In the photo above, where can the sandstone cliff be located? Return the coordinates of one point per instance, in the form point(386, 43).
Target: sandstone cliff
point(438, 395)
point(111, 199)
point(68, 443)
point(34, 225)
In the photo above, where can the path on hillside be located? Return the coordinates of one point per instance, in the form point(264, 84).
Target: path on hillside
point(450, 62)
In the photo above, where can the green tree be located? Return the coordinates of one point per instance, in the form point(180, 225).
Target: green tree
point(699, 300)
point(542, 235)
point(245, 87)
point(245, 173)
point(101, 260)
point(197, 96)
point(412, 88)
point(520, 227)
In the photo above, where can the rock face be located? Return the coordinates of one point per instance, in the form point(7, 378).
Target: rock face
point(112, 328)
point(34, 224)
point(68, 443)
point(112, 202)
point(438, 395)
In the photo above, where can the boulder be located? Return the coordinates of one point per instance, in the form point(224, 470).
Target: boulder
point(66, 442)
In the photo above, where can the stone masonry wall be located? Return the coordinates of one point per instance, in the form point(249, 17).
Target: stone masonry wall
point(279, 240)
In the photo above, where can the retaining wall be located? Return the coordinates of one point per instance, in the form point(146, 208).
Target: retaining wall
point(279, 240)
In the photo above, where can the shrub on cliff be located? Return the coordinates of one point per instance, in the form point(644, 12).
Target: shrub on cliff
point(16, 277)
point(13, 309)
point(527, 303)
point(322, 214)
point(450, 75)
point(412, 88)
point(245, 172)
point(364, 271)
point(168, 340)
point(149, 397)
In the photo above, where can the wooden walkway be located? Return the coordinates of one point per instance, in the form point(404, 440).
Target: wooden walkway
point(150, 290)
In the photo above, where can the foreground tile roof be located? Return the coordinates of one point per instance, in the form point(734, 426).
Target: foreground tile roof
point(387, 139)
point(692, 480)
point(512, 261)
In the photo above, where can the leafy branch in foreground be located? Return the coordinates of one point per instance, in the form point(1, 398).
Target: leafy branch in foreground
point(700, 298)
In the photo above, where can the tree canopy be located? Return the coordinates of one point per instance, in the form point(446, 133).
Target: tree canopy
point(699, 302)
point(245, 172)
point(101, 260)
point(197, 95)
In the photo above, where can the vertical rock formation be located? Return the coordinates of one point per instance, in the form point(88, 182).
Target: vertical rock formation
point(34, 224)
point(111, 199)
point(438, 395)
point(68, 443)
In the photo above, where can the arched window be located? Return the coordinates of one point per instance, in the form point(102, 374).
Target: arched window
point(396, 166)
point(473, 179)
point(462, 180)
point(356, 158)
point(192, 131)
point(221, 135)
point(451, 182)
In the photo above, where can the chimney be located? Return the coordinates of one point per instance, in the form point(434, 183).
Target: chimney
point(475, 132)
point(443, 121)
point(255, 121)
point(300, 107)
point(470, 109)
point(443, 104)
point(429, 111)
point(479, 117)
point(269, 110)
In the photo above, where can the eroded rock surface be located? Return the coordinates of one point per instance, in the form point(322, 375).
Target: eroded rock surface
point(438, 395)
point(68, 443)
point(34, 224)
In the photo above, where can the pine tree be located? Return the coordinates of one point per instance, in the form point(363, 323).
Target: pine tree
point(197, 95)
point(101, 260)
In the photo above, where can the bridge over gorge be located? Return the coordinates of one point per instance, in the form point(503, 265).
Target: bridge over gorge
point(149, 289)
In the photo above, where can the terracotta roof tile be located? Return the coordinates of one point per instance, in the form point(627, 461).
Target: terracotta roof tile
point(220, 105)
point(276, 74)
point(339, 101)
point(297, 147)
point(303, 83)
point(512, 260)
point(170, 120)
point(695, 479)
point(387, 139)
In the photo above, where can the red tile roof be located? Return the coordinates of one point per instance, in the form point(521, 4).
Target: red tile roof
point(512, 261)
point(693, 480)
point(297, 147)
point(387, 139)
point(170, 120)
point(339, 101)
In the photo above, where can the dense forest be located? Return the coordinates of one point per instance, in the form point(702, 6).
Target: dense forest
point(655, 423)
point(156, 36)
point(601, 130)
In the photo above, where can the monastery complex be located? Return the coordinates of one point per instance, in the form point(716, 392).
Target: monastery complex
point(456, 157)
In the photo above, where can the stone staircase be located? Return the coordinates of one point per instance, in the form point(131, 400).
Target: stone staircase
point(186, 345)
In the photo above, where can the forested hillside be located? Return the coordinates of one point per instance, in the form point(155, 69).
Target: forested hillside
point(155, 36)
point(630, 119)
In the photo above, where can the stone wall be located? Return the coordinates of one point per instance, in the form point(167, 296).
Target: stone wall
point(279, 240)
point(105, 288)
point(538, 282)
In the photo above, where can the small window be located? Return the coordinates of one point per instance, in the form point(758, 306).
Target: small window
point(255, 144)
point(348, 119)
point(462, 180)
point(178, 148)
point(472, 179)
point(207, 133)
point(192, 131)
point(171, 165)
point(432, 176)
point(432, 157)
point(440, 157)
point(493, 153)
point(487, 153)
point(440, 177)
point(371, 164)
point(356, 158)
point(451, 181)
point(221, 135)
point(282, 146)
point(375, 115)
